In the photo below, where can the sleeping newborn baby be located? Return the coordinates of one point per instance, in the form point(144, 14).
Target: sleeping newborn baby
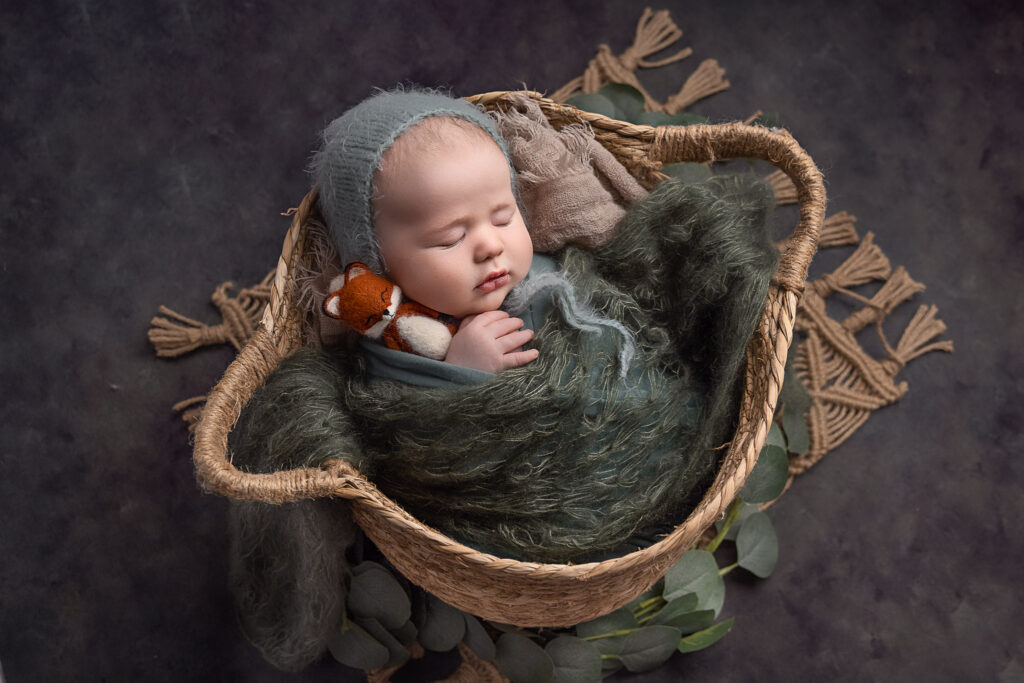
point(536, 437)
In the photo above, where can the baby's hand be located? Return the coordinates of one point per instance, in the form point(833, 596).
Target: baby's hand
point(491, 341)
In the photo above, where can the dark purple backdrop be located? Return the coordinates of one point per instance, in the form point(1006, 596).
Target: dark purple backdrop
point(148, 149)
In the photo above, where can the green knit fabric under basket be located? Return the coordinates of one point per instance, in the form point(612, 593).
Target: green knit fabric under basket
point(500, 589)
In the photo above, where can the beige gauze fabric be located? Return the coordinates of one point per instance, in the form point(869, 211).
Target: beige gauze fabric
point(572, 190)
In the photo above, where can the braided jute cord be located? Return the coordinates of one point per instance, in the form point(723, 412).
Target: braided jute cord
point(508, 591)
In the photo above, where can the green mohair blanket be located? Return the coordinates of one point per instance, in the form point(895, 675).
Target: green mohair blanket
point(562, 459)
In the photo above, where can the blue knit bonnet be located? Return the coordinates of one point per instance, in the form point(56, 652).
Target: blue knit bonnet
point(353, 145)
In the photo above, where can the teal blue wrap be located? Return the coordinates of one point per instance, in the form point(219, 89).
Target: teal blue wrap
point(562, 459)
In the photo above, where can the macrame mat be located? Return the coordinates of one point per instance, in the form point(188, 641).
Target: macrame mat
point(846, 383)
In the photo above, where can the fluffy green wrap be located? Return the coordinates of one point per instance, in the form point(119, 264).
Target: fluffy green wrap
point(561, 459)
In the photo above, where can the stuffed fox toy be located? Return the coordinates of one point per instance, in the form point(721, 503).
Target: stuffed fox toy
point(373, 306)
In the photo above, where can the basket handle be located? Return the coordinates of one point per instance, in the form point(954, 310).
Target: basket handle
point(213, 466)
point(703, 142)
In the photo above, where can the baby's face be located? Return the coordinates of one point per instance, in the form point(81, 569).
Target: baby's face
point(449, 230)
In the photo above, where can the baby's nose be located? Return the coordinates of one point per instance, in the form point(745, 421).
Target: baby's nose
point(489, 245)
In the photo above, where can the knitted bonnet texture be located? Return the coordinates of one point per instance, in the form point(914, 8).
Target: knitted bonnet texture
point(353, 145)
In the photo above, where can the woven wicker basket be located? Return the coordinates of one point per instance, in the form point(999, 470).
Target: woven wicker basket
point(503, 590)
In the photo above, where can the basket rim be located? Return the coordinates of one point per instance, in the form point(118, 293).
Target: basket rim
point(274, 339)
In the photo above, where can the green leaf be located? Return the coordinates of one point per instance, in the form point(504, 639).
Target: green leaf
point(775, 437)
point(522, 660)
point(627, 100)
point(757, 546)
point(769, 476)
point(687, 172)
point(443, 626)
point(477, 639)
point(618, 620)
point(796, 431)
point(795, 403)
point(657, 118)
point(709, 636)
point(746, 509)
point(648, 647)
point(376, 594)
point(576, 660)
point(406, 633)
point(595, 104)
point(354, 647)
point(681, 614)
point(696, 572)
point(768, 119)
point(398, 654)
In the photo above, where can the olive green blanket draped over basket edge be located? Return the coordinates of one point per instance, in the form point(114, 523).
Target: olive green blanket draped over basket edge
point(561, 459)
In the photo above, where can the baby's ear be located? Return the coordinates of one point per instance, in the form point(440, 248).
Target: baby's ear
point(354, 270)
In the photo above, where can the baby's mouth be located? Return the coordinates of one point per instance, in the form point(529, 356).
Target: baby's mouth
point(496, 279)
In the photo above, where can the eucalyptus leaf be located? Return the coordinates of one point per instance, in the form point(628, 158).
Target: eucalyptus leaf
point(797, 435)
point(618, 620)
point(442, 627)
point(649, 647)
point(398, 654)
point(595, 104)
point(523, 661)
point(576, 660)
point(795, 403)
point(702, 639)
point(769, 476)
point(682, 614)
point(354, 647)
point(477, 639)
point(687, 172)
point(757, 546)
point(375, 593)
point(609, 667)
point(768, 119)
point(696, 572)
point(609, 646)
point(776, 437)
point(406, 633)
point(628, 101)
point(746, 509)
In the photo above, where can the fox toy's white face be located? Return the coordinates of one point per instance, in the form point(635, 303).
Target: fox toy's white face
point(449, 230)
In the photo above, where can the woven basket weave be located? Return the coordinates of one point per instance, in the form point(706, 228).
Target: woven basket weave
point(503, 590)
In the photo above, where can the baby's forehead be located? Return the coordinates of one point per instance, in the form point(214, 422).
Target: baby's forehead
point(434, 135)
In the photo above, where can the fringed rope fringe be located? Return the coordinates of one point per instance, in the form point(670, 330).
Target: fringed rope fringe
point(654, 32)
point(707, 80)
point(865, 264)
point(175, 334)
point(838, 230)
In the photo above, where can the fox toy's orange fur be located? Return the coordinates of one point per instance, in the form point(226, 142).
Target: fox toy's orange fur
point(373, 306)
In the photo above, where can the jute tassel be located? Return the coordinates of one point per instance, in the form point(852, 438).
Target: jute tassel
point(654, 32)
point(897, 289)
point(704, 82)
point(176, 334)
point(782, 186)
point(865, 264)
point(914, 342)
point(838, 230)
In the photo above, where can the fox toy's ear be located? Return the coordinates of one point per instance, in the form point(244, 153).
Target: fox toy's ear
point(332, 306)
point(354, 270)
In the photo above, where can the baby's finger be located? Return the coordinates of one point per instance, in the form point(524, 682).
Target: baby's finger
point(499, 328)
point(517, 358)
point(514, 340)
point(490, 317)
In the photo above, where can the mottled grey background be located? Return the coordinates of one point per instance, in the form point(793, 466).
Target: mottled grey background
point(148, 149)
